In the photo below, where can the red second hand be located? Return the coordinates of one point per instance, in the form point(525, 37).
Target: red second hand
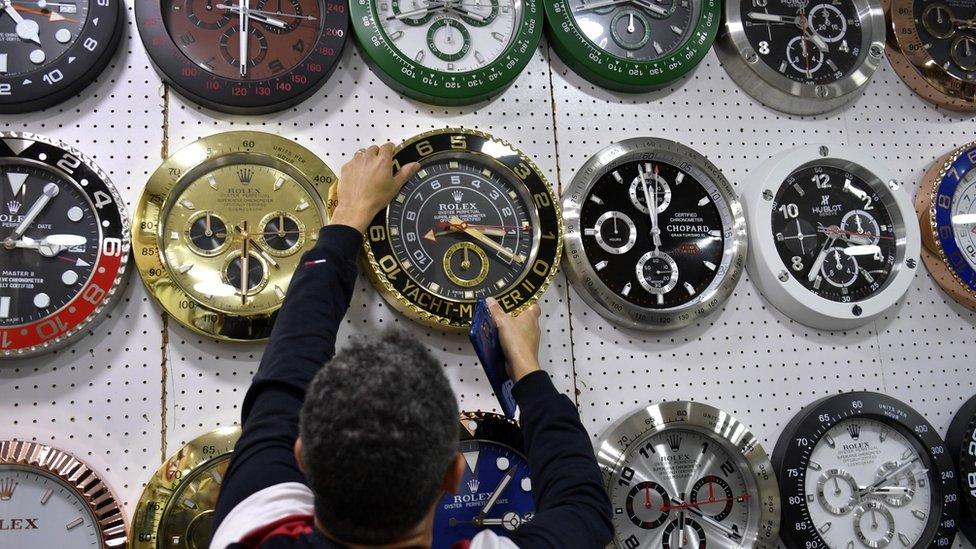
point(647, 498)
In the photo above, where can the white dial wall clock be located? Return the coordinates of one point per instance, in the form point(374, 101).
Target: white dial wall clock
point(832, 237)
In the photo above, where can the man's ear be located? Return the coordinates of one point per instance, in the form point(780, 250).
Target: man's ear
point(298, 454)
point(454, 474)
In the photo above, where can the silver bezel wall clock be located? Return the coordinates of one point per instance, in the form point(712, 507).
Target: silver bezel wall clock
point(832, 236)
point(827, 58)
point(653, 268)
point(681, 470)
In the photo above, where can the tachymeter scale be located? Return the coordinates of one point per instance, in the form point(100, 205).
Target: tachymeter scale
point(644, 32)
point(961, 441)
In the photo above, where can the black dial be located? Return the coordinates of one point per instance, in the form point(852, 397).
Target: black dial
point(808, 42)
point(207, 233)
point(643, 31)
point(961, 441)
point(947, 31)
point(833, 233)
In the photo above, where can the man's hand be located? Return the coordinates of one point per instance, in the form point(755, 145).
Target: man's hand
point(520, 338)
point(367, 185)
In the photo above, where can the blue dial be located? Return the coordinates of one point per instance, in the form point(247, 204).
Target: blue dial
point(955, 216)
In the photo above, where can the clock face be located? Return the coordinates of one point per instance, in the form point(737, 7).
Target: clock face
point(963, 212)
point(43, 37)
point(188, 517)
point(809, 42)
point(645, 31)
point(41, 510)
point(834, 232)
point(961, 441)
point(948, 34)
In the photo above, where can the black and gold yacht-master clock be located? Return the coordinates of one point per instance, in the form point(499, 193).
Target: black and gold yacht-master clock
point(479, 219)
point(221, 226)
point(49, 498)
point(176, 508)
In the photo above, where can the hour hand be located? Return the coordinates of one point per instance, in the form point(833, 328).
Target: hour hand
point(51, 245)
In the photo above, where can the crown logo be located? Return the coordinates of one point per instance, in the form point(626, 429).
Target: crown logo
point(674, 441)
point(855, 430)
point(245, 175)
point(458, 195)
point(473, 485)
point(13, 207)
point(7, 487)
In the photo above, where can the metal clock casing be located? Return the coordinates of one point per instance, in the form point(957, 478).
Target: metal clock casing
point(695, 204)
point(56, 292)
point(49, 498)
point(961, 441)
point(661, 462)
point(825, 302)
point(177, 505)
point(478, 220)
point(849, 439)
point(62, 48)
point(221, 226)
point(946, 207)
point(641, 64)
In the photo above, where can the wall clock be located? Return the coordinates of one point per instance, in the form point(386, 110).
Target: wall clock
point(221, 226)
point(932, 47)
point(447, 53)
point(685, 474)
point(53, 50)
point(655, 236)
point(632, 45)
point(961, 441)
point(292, 47)
point(831, 238)
point(176, 507)
point(479, 219)
point(946, 206)
point(65, 245)
point(805, 58)
point(864, 470)
point(496, 490)
point(49, 498)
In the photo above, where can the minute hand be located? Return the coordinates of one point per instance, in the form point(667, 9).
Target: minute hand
point(480, 237)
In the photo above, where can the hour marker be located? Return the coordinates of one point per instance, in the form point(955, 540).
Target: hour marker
point(679, 178)
point(779, 237)
point(589, 232)
point(75, 523)
point(658, 48)
point(468, 294)
point(75, 214)
point(844, 290)
point(596, 199)
point(830, 441)
point(486, 172)
point(907, 453)
point(394, 231)
point(500, 284)
point(502, 463)
point(189, 503)
point(618, 177)
point(798, 189)
point(498, 36)
point(47, 495)
point(406, 264)
point(401, 197)
point(212, 181)
point(850, 545)
point(816, 282)
point(278, 183)
point(69, 277)
point(703, 201)
point(16, 181)
point(715, 233)
point(3, 62)
point(832, 65)
point(782, 67)
point(279, 292)
point(809, 498)
point(676, 29)
point(37, 57)
point(215, 474)
point(815, 466)
point(823, 529)
point(512, 194)
point(920, 515)
point(870, 279)
point(450, 66)
point(419, 57)
point(626, 290)
point(174, 235)
point(186, 204)
point(183, 269)
point(396, 36)
point(41, 300)
point(689, 288)
point(82, 263)
point(904, 540)
point(479, 58)
point(434, 287)
point(709, 265)
point(302, 206)
point(601, 265)
point(4, 306)
point(603, 43)
point(453, 165)
point(471, 458)
point(422, 174)
point(526, 484)
point(660, 299)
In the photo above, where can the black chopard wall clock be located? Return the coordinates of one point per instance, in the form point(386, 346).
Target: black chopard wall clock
point(291, 48)
point(52, 50)
point(65, 245)
point(863, 470)
point(961, 441)
point(447, 53)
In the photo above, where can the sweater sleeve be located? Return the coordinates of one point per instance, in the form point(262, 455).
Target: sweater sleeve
point(572, 508)
point(302, 341)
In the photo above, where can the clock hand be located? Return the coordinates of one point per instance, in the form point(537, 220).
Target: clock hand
point(281, 225)
point(771, 18)
point(466, 13)
point(50, 191)
point(419, 11)
point(242, 20)
point(480, 236)
point(964, 219)
point(651, 208)
point(51, 245)
point(509, 475)
point(251, 14)
point(265, 12)
point(817, 263)
point(605, 3)
point(818, 41)
point(26, 29)
point(207, 230)
point(245, 262)
point(693, 509)
point(263, 252)
point(465, 261)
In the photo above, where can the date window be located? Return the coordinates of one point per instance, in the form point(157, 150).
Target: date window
point(67, 8)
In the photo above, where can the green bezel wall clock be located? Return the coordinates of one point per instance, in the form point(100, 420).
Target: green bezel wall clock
point(632, 45)
point(447, 52)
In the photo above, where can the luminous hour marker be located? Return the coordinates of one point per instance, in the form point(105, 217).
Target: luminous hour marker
point(303, 205)
point(500, 284)
point(69, 277)
point(401, 197)
point(394, 231)
point(589, 232)
point(486, 172)
point(37, 57)
point(798, 189)
point(704, 200)
point(829, 440)
point(815, 466)
point(832, 65)
point(823, 529)
point(660, 299)
point(782, 67)
point(173, 235)
point(187, 204)
point(189, 503)
point(419, 57)
point(809, 498)
point(626, 290)
point(215, 474)
point(601, 265)
point(715, 233)
point(278, 183)
point(498, 36)
point(679, 178)
point(709, 265)
point(434, 287)
point(3, 62)
point(468, 294)
point(42, 300)
point(406, 264)
point(183, 269)
point(920, 515)
point(618, 177)
point(453, 165)
point(502, 463)
point(16, 180)
point(526, 484)
point(212, 181)
point(396, 36)
point(904, 540)
point(689, 288)
point(850, 545)
point(47, 495)
point(596, 199)
point(4, 306)
point(479, 58)
point(423, 174)
point(676, 29)
point(279, 292)
point(75, 214)
point(75, 523)
point(816, 282)
point(658, 48)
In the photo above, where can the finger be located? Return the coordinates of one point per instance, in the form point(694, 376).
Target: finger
point(386, 150)
point(495, 310)
point(405, 173)
point(534, 310)
point(359, 152)
point(372, 150)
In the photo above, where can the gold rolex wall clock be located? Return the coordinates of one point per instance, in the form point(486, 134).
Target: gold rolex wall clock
point(221, 226)
point(479, 219)
point(946, 207)
point(51, 499)
point(177, 505)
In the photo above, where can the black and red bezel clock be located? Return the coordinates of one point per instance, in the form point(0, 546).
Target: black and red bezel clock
point(292, 47)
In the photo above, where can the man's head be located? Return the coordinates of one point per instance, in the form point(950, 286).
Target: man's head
point(379, 430)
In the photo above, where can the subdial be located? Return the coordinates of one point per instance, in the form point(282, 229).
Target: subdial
point(282, 234)
point(655, 184)
point(466, 264)
point(207, 234)
point(828, 22)
point(873, 524)
point(657, 273)
point(963, 51)
point(205, 15)
point(256, 273)
point(478, 13)
point(898, 490)
point(413, 7)
point(615, 232)
point(448, 39)
point(937, 20)
point(691, 535)
point(288, 11)
point(860, 228)
point(840, 268)
point(837, 491)
point(799, 236)
point(712, 496)
point(804, 56)
point(257, 46)
point(646, 505)
point(630, 30)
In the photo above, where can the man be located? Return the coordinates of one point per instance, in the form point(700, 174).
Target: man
point(365, 460)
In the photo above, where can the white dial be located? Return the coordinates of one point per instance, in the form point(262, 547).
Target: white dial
point(39, 510)
point(964, 217)
point(867, 485)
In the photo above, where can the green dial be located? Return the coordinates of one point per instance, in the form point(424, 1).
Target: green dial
point(447, 52)
point(632, 45)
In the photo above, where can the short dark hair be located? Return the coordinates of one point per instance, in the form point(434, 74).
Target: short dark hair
point(379, 430)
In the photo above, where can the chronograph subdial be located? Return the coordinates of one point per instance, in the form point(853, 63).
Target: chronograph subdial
point(283, 234)
point(827, 21)
point(288, 12)
point(937, 20)
point(840, 268)
point(206, 234)
point(900, 484)
point(837, 491)
point(247, 274)
point(860, 228)
point(257, 47)
point(874, 524)
point(647, 505)
point(480, 13)
point(713, 496)
point(657, 272)
point(803, 56)
point(205, 15)
point(684, 532)
point(655, 183)
point(614, 231)
point(630, 29)
point(963, 52)
point(448, 39)
point(466, 264)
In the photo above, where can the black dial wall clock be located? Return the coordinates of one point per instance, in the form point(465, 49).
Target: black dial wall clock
point(961, 441)
point(864, 470)
point(831, 237)
point(805, 58)
point(49, 498)
point(221, 226)
point(479, 219)
point(632, 45)
point(65, 245)
point(655, 237)
point(685, 474)
point(176, 507)
point(453, 52)
point(291, 48)
point(496, 490)
point(53, 50)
